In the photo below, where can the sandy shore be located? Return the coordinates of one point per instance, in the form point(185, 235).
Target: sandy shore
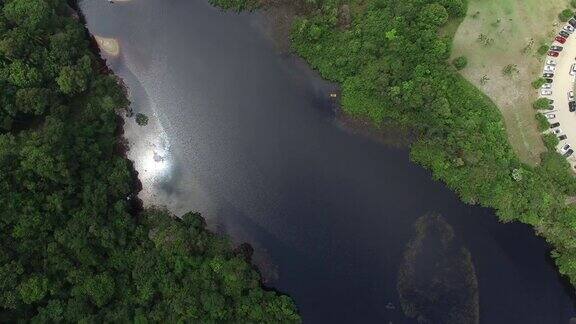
point(110, 46)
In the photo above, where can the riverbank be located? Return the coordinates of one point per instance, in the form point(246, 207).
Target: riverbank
point(110, 47)
point(463, 135)
point(254, 132)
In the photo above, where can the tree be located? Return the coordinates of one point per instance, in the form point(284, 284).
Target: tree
point(460, 62)
point(74, 79)
point(536, 84)
point(543, 49)
point(565, 15)
point(541, 103)
point(141, 119)
point(23, 75)
point(543, 123)
point(434, 14)
point(33, 289)
point(33, 15)
point(32, 100)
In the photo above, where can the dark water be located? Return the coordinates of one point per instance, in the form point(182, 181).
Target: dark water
point(248, 136)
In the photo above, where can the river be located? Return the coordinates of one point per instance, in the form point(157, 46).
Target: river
point(248, 136)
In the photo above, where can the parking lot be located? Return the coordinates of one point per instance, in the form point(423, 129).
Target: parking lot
point(562, 120)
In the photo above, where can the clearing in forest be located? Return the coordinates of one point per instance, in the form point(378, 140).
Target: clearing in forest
point(500, 39)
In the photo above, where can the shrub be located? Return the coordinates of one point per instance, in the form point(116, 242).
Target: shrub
point(543, 123)
point(550, 141)
point(565, 15)
point(543, 49)
point(573, 3)
point(538, 83)
point(141, 119)
point(541, 103)
point(460, 62)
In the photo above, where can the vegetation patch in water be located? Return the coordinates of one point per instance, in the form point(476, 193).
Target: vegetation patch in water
point(437, 281)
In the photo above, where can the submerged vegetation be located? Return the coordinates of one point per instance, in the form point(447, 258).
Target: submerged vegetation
point(72, 246)
point(437, 281)
point(391, 58)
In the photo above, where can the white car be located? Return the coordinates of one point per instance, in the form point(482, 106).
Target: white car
point(573, 69)
point(570, 95)
point(565, 148)
point(549, 68)
point(547, 86)
point(546, 92)
point(557, 131)
point(550, 116)
point(569, 29)
point(550, 62)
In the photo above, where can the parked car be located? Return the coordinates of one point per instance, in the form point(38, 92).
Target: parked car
point(549, 80)
point(570, 95)
point(573, 69)
point(556, 48)
point(565, 148)
point(560, 39)
point(549, 68)
point(568, 28)
point(557, 131)
point(568, 153)
point(554, 125)
point(564, 34)
point(550, 62)
point(553, 54)
point(546, 86)
point(572, 22)
point(546, 92)
point(562, 137)
point(548, 75)
point(572, 106)
point(550, 116)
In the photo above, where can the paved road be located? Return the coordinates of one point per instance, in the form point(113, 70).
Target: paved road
point(563, 83)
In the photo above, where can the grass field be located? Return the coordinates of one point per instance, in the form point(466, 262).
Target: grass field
point(504, 35)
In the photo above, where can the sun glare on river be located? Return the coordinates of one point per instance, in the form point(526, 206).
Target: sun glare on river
point(154, 161)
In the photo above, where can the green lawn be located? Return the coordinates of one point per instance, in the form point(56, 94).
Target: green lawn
point(515, 29)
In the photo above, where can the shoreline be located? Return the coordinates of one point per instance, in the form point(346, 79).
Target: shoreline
point(136, 206)
point(243, 250)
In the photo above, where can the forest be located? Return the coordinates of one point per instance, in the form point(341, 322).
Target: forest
point(74, 247)
point(391, 59)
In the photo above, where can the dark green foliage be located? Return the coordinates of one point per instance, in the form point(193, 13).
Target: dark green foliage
point(543, 49)
point(392, 66)
point(237, 5)
point(541, 103)
point(70, 251)
point(543, 123)
point(565, 15)
point(141, 119)
point(551, 141)
point(460, 62)
point(538, 83)
point(573, 3)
